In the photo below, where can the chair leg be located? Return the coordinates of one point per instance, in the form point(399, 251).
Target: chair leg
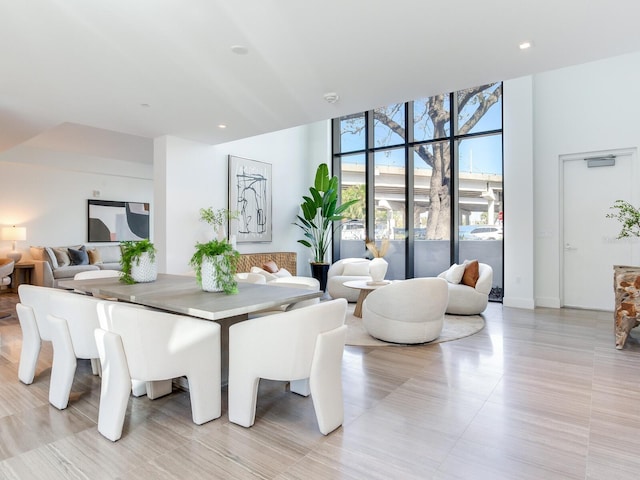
point(64, 363)
point(326, 379)
point(116, 384)
point(138, 388)
point(301, 387)
point(96, 369)
point(204, 389)
point(30, 344)
point(243, 396)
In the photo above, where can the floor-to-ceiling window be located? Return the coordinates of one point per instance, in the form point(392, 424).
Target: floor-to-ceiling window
point(429, 174)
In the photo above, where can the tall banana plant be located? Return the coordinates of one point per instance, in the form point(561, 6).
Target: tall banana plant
point(319, 211)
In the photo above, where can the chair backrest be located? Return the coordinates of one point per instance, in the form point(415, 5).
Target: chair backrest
point(337, 268)
point(284, 343)
point(36, 301)
point(6, 267)
point(245, 277)
point(149, 337)
point(97, 274)
point(485, 278)
point(81, 315)
point(410, 300)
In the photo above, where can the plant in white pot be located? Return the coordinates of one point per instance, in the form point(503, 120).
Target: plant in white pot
point(138, 261)
point(319, 211)
point(215, 262)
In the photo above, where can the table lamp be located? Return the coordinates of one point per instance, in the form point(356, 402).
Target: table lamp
point(15, 234)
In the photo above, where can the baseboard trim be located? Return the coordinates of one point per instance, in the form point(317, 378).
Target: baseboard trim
point(548, 302)
point(515, 302)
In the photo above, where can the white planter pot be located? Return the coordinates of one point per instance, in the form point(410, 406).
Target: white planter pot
point(210, 281)
point(378, 269)
point(144, 269)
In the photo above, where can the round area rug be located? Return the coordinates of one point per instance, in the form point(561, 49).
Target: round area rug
point(455, 327)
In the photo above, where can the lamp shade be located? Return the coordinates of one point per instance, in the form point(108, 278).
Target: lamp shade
point(14, 233)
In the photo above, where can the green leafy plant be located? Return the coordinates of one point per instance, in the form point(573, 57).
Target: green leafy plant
point(225, 271)
point(319, 211)
point(629, 216)
point(217, 218)
point(131, 251)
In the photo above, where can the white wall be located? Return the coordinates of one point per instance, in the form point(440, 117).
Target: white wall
point(46, 191)
point(196, 175)
point(518, 175)
point(585, 108)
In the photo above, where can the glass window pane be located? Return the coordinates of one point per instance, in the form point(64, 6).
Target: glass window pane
point(481, 204)
point(389, 127)
point(431, 209)
point(390, 195)
point(353, 231)
point(352, 133)
point(431, 118)
point(480, 109)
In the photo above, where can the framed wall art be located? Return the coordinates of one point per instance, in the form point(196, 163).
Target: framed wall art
point(250, 196)
point(110, 221)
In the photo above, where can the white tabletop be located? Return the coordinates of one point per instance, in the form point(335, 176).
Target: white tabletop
point(366, 285)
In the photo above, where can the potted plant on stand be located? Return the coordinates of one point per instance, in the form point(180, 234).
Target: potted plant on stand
point(319, 211)
point(138, 261)
point(215, 262)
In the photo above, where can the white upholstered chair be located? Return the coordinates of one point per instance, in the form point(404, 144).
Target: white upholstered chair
point(32, 314)
point(466, 300)
point(6, 269)
point(345, 270)
point(407, 311)
point(72, 319)
point(155, 346)
point(303, 346)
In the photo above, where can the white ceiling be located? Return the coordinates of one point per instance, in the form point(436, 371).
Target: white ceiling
point(67, 65)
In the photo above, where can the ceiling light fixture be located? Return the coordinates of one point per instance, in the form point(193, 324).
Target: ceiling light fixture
point(331, 97)
point(525, 45)
point(222, 125)
point(239, 49)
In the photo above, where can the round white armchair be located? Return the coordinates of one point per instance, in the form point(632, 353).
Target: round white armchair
point(345, 270)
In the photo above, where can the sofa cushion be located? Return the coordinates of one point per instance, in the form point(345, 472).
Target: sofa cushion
point(62, 256)
point(471, 273)
point(94, 256)
point(356, 269)
point(268, 276)
point(270, 266)
point(37, 253)
point(282, 273)
point(78, 256)
point(110, 253)
point(70, 270)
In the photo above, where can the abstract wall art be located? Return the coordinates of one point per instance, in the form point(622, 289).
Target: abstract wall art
point(110, 221)
point(250, 196)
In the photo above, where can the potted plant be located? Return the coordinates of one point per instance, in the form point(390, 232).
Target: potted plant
point(319, 211)
point(378, 266)
point(215, 262)
point(138, 261)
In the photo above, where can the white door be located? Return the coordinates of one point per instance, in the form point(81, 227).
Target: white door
point(590, 247)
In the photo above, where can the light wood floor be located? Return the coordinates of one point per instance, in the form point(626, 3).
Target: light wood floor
point(538, 394)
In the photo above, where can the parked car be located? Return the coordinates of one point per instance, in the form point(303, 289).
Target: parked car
point(486, 232)
point(353, 231)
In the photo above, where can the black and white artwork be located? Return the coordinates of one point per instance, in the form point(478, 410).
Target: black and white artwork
point(250, 197)
point(110, 221)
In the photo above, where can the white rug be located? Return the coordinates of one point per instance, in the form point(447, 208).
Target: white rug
point(455, 327)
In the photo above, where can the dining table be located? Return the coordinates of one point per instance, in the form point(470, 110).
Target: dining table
point(182, 295)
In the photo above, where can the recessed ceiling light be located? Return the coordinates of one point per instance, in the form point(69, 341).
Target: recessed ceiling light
point(239, 49)
point(222, 125)
point(145, 105)
point(525, 45)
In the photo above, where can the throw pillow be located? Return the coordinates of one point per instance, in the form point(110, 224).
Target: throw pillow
point(455, 273)
point(78, 256)
point(283, 272)
point(37, 253)
point(471, 273)
point(356, 269)
point(94, 256)
point(270, 267)
point(62, 257)
point(268, 276)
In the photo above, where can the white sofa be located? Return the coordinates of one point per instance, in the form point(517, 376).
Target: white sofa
point(467, 300)
point(345, 270)
point(52, 264)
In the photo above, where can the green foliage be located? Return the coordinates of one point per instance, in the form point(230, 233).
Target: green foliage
point(225, 270)
point(629, 216)
point(131, 251)
point(319, 211)
point(217, 218)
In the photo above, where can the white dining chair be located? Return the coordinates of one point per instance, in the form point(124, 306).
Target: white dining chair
point(303, 346)
point(155, 346)
point(32, 314)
